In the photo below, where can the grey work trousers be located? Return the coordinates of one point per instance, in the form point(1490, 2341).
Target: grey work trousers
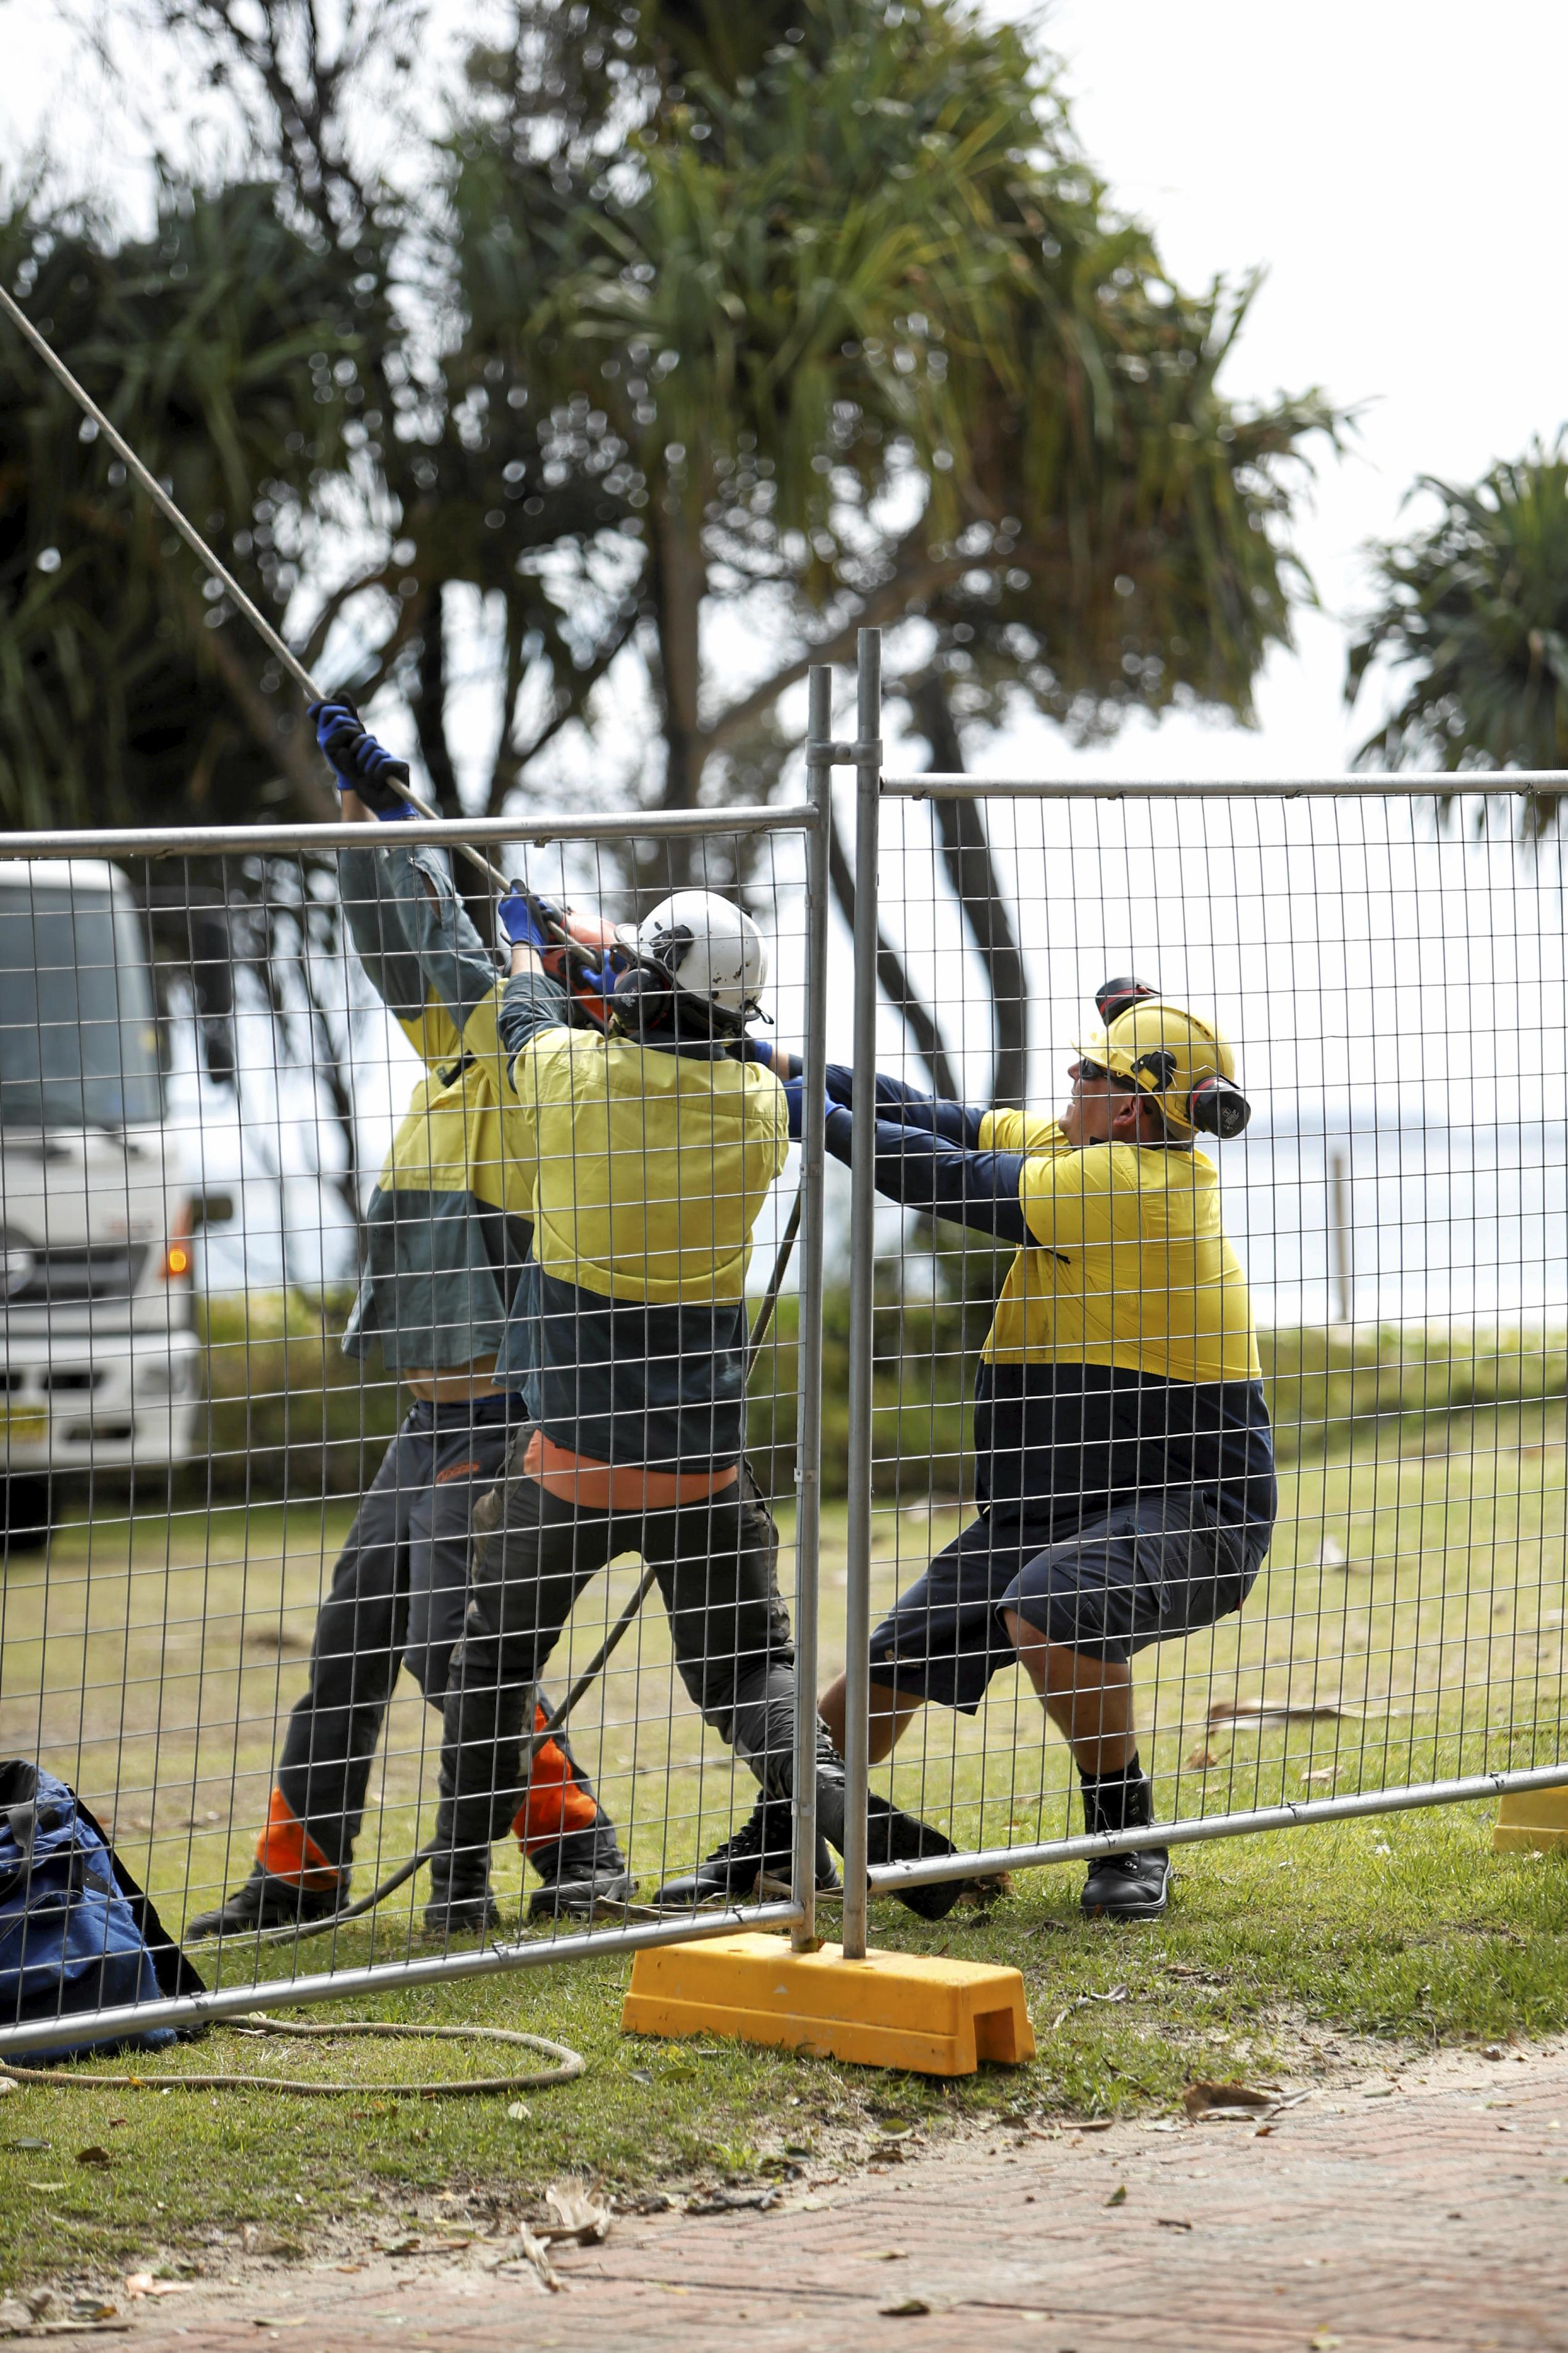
point(715, 1562)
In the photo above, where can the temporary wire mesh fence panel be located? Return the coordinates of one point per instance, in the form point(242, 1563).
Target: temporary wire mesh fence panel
point(285, 1227)
point(1391, 973)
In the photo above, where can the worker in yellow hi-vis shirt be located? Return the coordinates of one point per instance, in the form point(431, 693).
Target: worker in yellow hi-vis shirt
point(1124, 1469)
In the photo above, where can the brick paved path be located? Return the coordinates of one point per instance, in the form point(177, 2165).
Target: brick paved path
point(1381, 2220)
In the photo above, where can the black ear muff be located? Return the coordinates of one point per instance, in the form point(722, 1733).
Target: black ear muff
point(1219, 1108)
point(1112, 998)
point(1160, 1065)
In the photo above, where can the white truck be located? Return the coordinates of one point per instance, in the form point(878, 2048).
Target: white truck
point(98, 1353)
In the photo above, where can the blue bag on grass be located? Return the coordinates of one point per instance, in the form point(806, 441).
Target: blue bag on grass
point(75, 1932)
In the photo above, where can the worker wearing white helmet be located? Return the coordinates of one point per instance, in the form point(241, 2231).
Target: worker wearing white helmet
point(647, 1151)
point(1124, 1468)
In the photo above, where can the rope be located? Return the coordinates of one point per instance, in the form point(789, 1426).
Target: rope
point(571, 2064)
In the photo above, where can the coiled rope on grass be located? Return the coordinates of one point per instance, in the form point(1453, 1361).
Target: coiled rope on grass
point(569, 2065)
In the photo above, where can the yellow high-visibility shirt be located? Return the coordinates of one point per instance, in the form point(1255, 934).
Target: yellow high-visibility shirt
point(1130, 1264)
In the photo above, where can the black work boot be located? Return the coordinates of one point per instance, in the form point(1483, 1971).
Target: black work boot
point(461, 1901)
point(582, 1873)
point(1128, 1886)
point(1131, 1886)
point(891, 1835)
point(753, 1864)
point(264, 1902)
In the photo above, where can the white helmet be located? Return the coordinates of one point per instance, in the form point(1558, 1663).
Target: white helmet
point(709, 948)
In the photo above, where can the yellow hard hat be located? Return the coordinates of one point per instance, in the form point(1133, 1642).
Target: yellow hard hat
point(1174, 1057)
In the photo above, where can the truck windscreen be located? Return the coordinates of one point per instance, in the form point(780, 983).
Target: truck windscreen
point(78, 1041)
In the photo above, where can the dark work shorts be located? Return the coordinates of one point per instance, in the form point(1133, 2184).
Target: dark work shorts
point(1144, 1568)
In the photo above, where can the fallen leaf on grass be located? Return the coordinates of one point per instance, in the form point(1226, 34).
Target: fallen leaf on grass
point(1202, 2099)
point(144, 2284)
point(518, 2111)
point(1277, 1711)
point(7, 2083)
point(580, 2214)
point(95, 2157)
point(1202, 1757)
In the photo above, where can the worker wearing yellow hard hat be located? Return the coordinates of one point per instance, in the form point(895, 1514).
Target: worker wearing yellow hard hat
point(1124, 1468)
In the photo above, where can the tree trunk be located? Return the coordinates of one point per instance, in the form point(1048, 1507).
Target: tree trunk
point(679, 585)
point(966, 852)
point(894, 981)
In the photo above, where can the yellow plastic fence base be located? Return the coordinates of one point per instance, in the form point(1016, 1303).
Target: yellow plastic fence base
point(891, 2010)
point(1534, 1820)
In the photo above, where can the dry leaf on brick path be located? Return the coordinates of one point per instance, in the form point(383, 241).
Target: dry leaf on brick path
point(906, 2309)
point(524, 2248)
point(537, 2253)
point(1227, 2099)
point(734, 2202)
point(1118, 2196)
point(255, 2241)
point(580, 2214)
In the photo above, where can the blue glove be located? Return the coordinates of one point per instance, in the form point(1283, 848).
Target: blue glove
point(523, 919)
point(795, 1104)
point(360, 764)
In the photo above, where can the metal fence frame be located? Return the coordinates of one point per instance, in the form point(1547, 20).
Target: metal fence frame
point(810, 819)
point(872, 788)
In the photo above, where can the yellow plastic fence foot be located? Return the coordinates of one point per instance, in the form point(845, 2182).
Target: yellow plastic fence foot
point(1534, 1820)
point(891, 2010)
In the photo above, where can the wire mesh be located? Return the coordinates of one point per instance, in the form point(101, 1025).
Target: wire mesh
point(1390, 969)
point(299, 1196)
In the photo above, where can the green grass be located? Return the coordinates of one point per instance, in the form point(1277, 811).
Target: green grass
point(1278, 1956)
point(1415, 1594)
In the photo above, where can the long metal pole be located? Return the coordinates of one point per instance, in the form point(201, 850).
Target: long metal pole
point(808, 1393)
point(1364, 784)
point(197, 544)
point(862, 1268)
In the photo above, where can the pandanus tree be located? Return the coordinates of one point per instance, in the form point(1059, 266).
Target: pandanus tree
point(870, 345)
point(1470, 629)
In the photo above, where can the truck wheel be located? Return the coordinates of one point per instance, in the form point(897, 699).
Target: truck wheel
point(23, 1513)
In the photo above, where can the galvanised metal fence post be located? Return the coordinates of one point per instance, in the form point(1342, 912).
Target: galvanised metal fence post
point(862, 1296)
point(808, 1397)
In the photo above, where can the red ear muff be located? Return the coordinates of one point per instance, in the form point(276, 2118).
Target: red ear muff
point(1113, 998)
point(1219, 1108)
